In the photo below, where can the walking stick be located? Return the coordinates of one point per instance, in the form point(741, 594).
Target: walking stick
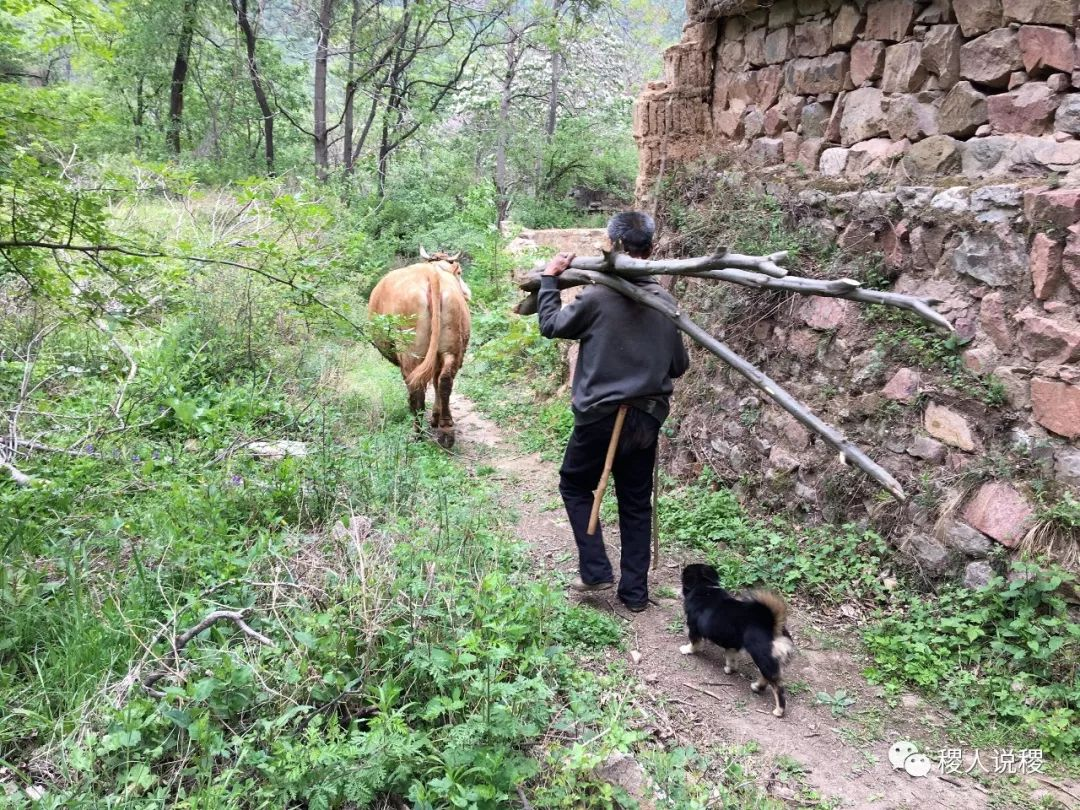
point(594, 518)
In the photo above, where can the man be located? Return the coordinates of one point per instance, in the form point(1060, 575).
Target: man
point(629, 354)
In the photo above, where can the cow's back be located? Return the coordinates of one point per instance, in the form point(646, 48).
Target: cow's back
point(404, 294)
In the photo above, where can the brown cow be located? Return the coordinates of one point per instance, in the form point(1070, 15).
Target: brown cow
point(432, 298)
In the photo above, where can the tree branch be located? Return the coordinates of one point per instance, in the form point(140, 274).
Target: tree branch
point(612, 270)
point(234, 616)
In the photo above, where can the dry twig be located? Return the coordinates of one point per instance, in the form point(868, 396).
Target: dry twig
point(234, 616)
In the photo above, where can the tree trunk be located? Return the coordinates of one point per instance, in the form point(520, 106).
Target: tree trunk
point(322, 55)
point(139, 115)
point(350, 91)
point(179, 76)
point(502, 190)
point(240, 7)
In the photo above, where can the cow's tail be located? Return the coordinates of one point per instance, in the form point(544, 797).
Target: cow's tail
point(425, 372)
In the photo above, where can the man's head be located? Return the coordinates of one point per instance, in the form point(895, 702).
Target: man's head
point(634, 229)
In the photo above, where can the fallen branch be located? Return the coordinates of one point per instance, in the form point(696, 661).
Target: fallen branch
point(713, 695)
point(17, 475)
point(756, 377)
point(234, 616)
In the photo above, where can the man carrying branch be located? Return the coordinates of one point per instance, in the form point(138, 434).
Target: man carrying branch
point(628, 356)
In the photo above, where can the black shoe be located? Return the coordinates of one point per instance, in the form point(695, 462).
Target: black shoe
point(636, 607)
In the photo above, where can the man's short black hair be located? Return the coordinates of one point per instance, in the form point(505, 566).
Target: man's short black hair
point(634, 229)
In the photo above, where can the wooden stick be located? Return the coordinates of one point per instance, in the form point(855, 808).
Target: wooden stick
point(594, 518)
point(756, 377)
point(724, 267)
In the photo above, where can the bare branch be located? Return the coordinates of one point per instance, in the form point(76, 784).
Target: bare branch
point(234, 616)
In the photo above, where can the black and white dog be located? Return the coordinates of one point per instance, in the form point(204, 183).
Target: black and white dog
point(754, 624)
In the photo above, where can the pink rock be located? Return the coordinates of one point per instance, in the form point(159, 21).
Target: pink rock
point(1058, 207)
point(994, 322)
point(847, 24)
point(904, 385)
point(792, 145)
point(1044, 339)
point(825, 313)
point(948, 426)
point(980, 360)
point(1070, 259)
point(768, 81)
point(1056, 406)
point(904, 71)
point(1001, 512)
point(867, 61)
point(977, 16)
point(1042, 47)
point(1045, 263)
point(889, 19)
point(813, 38)
point(1046, 12)
point(940, 53)
point(820, 74)
point(754, 46)
point(864, 116)
point(804, 343)
point(990, 59)
point(1028, 109)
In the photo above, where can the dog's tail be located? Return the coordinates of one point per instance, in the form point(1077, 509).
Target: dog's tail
point(782, 646)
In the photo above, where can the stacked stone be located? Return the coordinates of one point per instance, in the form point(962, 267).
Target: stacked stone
point(978, 87)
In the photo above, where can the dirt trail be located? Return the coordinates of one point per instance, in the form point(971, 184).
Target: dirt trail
point(843, 758)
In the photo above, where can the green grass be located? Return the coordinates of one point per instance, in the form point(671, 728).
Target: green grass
point(1000, 657)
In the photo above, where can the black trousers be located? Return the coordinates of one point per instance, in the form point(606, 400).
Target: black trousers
point(632, 472)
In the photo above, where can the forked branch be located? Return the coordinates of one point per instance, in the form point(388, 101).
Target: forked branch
point(613, 270)
point(212, 618)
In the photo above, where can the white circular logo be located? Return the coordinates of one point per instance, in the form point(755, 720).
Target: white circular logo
point(900, 751)
point(918, 765)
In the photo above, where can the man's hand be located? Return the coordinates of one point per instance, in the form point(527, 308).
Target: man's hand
point(558, 264)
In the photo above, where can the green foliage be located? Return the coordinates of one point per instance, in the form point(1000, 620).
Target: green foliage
point(1001, 656)
point(838, 702)
point(831, 563)
point(704, 214)
point(587, 627)
point(911, 340)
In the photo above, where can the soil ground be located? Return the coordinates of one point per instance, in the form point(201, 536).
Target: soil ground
point(841, 758)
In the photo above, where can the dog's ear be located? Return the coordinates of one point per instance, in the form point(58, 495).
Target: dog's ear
point(710, 576)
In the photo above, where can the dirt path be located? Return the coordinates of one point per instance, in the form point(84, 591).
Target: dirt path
point(843, 757)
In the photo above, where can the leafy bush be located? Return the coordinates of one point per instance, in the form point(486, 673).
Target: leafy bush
point(1002, 656)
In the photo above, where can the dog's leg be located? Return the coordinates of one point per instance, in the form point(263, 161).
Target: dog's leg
point(758, 685)
point(779, 697)
point(729, 661)
point(694, 646)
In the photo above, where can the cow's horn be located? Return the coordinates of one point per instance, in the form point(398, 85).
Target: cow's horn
point(423, 253)
point(455, 257)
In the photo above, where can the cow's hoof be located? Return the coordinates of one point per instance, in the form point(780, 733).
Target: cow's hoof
point(445, 438)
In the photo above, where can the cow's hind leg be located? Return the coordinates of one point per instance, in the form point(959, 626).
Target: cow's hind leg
point(444, 385)
point(416, 398)
point(437, 405)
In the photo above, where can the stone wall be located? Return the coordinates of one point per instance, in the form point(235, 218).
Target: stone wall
point(908, 88)
point(1004, 263)
point(943, 138)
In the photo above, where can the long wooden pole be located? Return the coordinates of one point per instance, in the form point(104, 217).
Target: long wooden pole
point(756, 377)
point(609, 461)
